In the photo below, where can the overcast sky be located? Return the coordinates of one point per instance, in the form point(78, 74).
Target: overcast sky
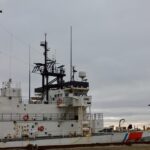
point(111, 42)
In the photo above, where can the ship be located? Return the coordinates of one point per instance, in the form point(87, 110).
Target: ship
point(59, 115)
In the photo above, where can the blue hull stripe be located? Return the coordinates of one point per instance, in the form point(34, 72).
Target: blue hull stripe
point(125, 138)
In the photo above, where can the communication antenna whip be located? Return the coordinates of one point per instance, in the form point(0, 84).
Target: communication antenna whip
point(10, 56)
point(29, 75)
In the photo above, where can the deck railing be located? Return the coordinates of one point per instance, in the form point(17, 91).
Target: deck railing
point(35, 117)
point(46, 116)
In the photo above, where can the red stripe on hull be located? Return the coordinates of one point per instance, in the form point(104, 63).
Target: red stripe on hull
point(134, 136)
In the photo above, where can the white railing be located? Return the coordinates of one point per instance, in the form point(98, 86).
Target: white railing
point(36, 117)
point(95, 116)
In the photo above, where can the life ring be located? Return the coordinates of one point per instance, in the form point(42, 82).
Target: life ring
point(41, 128)
point(26, 117)
point(59, 101)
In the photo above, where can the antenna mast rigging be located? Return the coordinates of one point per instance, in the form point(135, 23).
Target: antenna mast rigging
point(47, 69)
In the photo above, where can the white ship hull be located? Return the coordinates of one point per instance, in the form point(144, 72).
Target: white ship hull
point(109, 138)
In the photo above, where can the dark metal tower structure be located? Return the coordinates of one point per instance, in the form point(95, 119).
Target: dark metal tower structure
point(49, 69)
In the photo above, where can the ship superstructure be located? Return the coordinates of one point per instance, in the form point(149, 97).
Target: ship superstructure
point(60, 109)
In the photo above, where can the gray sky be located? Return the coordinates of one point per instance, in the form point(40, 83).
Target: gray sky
point(111, 42)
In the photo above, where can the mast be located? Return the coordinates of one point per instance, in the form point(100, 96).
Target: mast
point(29, 76)
point(45, 66)
point(70, 53)
point(10, 56)
point(72, 68)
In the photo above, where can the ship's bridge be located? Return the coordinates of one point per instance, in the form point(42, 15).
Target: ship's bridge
point(79, 84)
point(70, 85)
point(76, 88)
point(75, 94)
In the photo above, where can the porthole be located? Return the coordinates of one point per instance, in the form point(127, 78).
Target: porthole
point(9, 97)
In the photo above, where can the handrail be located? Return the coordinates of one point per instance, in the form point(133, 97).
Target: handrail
point(47, 116)
point(35, 117)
